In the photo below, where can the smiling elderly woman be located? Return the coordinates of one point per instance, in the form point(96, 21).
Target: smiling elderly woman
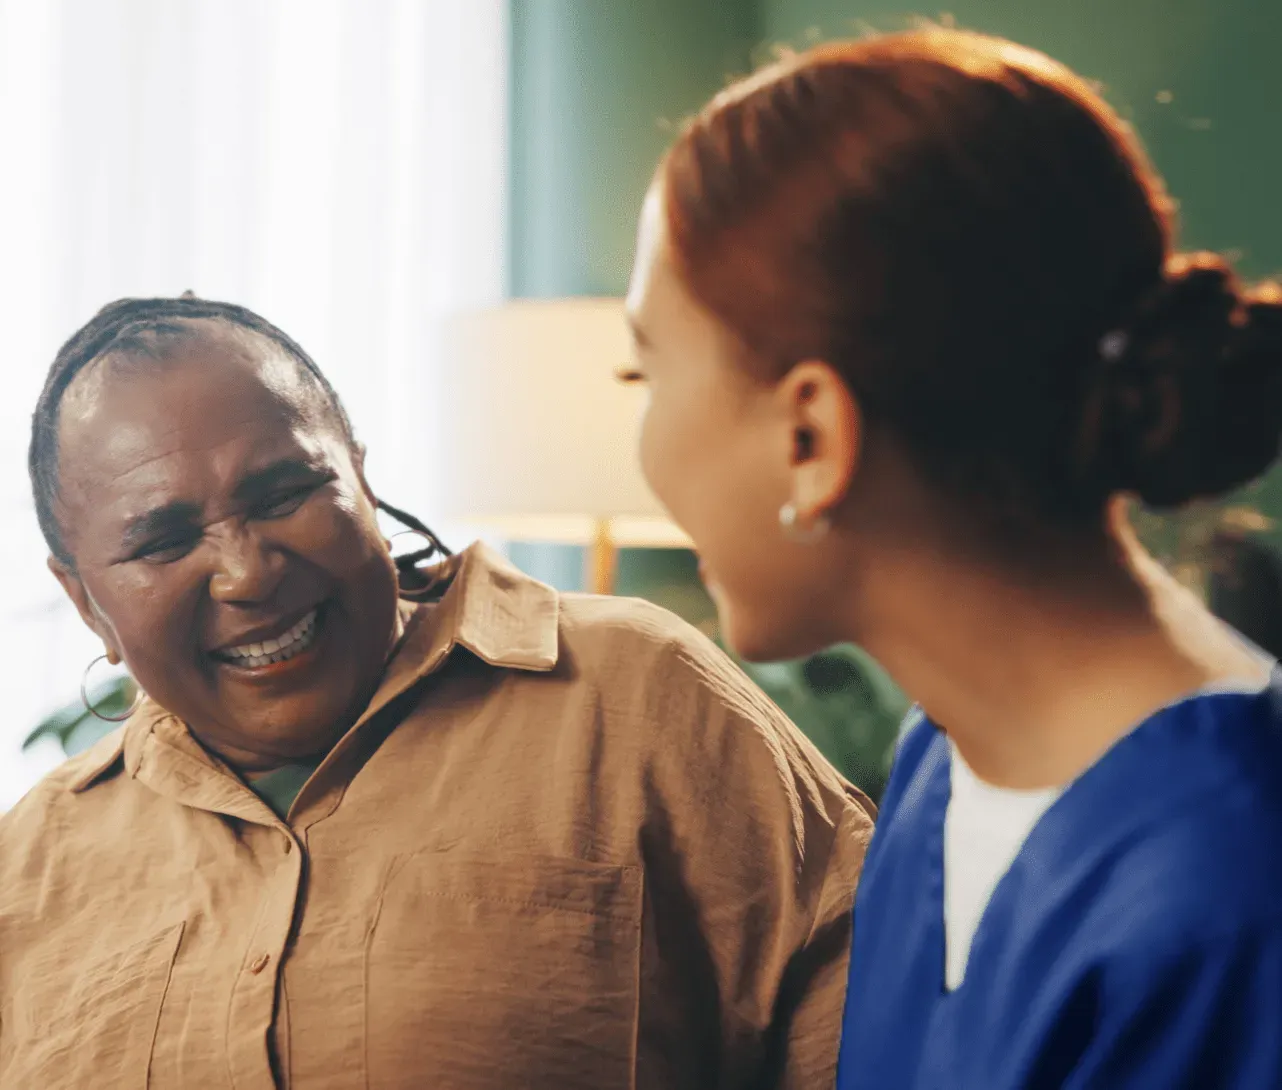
point(427, 827)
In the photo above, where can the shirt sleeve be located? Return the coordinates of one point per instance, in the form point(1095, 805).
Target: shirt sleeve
point(753, 848)
point(813, 999)
point(1206, 1019)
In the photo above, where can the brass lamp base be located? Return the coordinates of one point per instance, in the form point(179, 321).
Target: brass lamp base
point(600, 559)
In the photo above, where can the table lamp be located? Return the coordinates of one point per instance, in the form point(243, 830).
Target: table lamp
point(538, 437)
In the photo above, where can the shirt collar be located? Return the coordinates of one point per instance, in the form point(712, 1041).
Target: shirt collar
point(98, 760)
point(127, 742)
point(488, 607)
point(505, 618)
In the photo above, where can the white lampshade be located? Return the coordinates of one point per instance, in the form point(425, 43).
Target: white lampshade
point(537, 439)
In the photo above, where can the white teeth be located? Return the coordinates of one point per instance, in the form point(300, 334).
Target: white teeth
point(296, 640)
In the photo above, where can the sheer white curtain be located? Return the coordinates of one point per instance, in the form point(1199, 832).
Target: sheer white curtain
point(337, 165)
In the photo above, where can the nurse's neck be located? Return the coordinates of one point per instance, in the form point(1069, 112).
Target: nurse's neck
point(1035, 677)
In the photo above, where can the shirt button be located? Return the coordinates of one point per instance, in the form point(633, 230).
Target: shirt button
point(259, 963)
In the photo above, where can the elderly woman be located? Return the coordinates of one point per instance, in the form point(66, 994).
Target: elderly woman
point(380, 827)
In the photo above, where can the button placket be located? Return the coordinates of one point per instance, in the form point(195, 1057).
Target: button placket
point(253, 1004)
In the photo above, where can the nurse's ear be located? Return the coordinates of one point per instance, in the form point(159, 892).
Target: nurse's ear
point(826, 428)
point(88, 609)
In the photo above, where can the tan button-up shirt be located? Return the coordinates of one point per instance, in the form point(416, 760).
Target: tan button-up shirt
point(567, 846)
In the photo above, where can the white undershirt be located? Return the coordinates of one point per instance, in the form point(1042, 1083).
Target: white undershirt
point(984, 829)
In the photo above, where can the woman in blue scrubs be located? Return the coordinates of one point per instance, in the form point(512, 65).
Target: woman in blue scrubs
point(915, 328)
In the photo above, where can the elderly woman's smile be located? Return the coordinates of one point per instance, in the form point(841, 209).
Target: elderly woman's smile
point(215, 511)
point(265, 651)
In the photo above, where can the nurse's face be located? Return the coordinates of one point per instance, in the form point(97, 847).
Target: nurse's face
point(225, 545)
point(720, 447)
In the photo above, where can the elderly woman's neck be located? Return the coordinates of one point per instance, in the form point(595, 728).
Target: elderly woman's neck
point(254, 766)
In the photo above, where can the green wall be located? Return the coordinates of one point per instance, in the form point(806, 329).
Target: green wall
point(598, 84)
point(597, 87)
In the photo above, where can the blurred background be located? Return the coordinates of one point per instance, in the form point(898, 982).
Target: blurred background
point(437, 198)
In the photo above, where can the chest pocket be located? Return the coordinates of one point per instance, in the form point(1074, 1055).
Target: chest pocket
point(492, 972)
point(91, 1026)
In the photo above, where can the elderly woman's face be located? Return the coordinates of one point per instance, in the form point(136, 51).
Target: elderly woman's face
point(226, 546)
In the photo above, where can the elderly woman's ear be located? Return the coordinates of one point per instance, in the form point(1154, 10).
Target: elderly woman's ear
point(86, 607)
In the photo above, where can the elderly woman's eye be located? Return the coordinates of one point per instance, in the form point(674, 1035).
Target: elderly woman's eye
point(285, 502)
point(167, 549)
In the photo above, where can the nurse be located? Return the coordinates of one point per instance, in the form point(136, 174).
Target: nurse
point(914, 327)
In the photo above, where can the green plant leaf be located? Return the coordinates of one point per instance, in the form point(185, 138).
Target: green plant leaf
point(74, 727)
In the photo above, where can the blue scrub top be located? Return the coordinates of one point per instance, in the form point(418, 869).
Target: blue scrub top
point(1136, 940)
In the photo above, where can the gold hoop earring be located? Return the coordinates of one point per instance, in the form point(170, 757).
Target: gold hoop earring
point(84, 697)
point(416, 583)
point(798, 532)
point(410, 559)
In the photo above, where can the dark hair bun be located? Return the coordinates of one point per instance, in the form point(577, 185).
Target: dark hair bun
point(1192, 404)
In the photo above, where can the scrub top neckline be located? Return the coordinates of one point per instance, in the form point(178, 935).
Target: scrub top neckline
point(937, 798)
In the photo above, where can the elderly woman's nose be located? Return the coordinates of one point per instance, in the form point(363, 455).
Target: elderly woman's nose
point(246, 567)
